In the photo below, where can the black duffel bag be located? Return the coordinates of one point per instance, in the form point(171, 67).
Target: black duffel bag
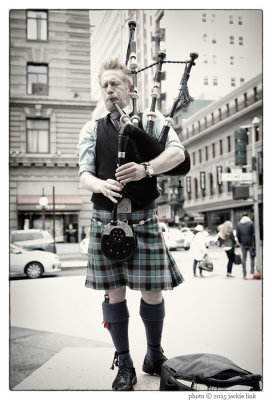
point(210, 370)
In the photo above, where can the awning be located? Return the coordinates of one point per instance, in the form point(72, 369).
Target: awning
point(59, 199)
point(194, 216)
point(62, 203)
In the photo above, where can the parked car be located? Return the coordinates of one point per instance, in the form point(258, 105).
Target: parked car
point(174, 239)
point(33, 239)
point(83, 246)
point(187, 235)
point(32, 263)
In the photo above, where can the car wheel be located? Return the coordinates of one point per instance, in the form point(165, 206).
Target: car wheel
point(34, 270)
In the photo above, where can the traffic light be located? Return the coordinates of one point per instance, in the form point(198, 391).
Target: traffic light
point(240, 192)
point(241, 140)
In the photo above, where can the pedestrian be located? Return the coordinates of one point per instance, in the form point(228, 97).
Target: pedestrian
point(152, 268)
point(245, 234)
point(227, 240)
point(198, 248)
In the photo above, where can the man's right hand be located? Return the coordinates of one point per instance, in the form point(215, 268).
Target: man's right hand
point(111, 189)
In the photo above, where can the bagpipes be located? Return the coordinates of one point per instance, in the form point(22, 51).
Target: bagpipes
point(118, 242)
point(147, 145)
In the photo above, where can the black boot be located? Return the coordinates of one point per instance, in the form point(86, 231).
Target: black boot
point(153, 367)
point(126, 377)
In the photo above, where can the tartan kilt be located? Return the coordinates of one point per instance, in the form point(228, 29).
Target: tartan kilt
point(152, 267)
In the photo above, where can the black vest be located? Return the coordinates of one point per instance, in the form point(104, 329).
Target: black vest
point(140, 192)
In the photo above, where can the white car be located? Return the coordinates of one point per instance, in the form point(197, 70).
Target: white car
point(32, 263)
point(174, 239)
point(83, 246)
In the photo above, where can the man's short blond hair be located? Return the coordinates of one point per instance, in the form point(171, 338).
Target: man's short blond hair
point(115, 64)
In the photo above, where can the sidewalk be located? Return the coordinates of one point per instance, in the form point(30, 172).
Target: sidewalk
point(63, 345)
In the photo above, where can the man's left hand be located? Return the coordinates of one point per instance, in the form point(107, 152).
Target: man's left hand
point(130, 172)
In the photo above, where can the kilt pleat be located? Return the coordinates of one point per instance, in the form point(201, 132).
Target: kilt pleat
point(151, 268)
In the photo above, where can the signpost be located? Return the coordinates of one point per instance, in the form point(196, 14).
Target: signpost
point(240, 176)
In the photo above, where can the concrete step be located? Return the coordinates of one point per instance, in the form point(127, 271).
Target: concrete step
point(83, 369)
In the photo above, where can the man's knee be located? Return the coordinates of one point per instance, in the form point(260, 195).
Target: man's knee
point(116, 295)
point(152, 297)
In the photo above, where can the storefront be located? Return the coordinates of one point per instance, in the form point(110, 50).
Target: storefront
point(31, 215)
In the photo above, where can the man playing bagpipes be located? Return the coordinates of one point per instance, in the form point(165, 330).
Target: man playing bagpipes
point(124, 187)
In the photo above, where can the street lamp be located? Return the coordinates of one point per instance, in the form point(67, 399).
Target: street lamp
point(43, 203)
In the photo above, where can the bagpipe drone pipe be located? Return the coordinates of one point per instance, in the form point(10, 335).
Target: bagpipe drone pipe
point(148, 146)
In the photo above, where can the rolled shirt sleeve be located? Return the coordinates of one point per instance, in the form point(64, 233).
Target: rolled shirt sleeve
point(86, 147)
point(172, 138)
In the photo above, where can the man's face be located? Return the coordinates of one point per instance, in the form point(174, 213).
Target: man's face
point(115, 86)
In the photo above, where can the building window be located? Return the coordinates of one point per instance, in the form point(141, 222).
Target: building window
point(36, 25)
point(214, 39)
point(193, 129)
point(228, 109)
point(255, 93)
point(204, 17)
point(220, 114)
point(220, 147)
point(240, 20)
point(211, 185)
point(200, 156)
point(228, 170)
point(231, 60)
point(232, 82)
point(37, 79)
point(257, 134)
point(194, 158)
point(245, 99)
point(213, 150)
point(205, 59)
point(212, 115)
point(231, 19)
point(241, 41)
point(229, 144)
point(206, 122)
point(242, 81)
point(214, 59)
point(231, 39)
point(37, 134)
point(206, 82)
point(206, 153)
point(204, 37)
point(236, 105)
point(215, 81)
point(199, 126)
point(196, 188)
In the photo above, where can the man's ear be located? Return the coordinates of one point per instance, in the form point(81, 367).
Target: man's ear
point(131, 89)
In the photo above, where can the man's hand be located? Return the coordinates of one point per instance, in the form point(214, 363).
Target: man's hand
point(130, 172)
point(110, 189)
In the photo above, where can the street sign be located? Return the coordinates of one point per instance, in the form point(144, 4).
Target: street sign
point(243, 176)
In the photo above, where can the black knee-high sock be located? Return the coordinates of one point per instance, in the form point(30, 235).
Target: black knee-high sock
point(153, 316)
point(116, 317)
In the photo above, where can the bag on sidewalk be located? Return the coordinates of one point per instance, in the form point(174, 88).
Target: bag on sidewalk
point(192, 371)
point(237, 256)
point(206, 263)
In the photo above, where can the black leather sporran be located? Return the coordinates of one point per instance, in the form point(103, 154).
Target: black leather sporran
point(118, 242)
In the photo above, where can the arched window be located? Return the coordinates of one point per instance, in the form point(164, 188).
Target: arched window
point(196, 188)
point(211, 184)
point(228, 170)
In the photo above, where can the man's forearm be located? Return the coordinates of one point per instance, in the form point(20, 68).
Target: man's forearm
point(90, 182)
point(167, 160)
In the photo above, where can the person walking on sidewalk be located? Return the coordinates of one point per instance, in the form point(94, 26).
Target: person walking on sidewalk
point(245, 234)
point(227, 240)
point(152, 268)
point(198, 248)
